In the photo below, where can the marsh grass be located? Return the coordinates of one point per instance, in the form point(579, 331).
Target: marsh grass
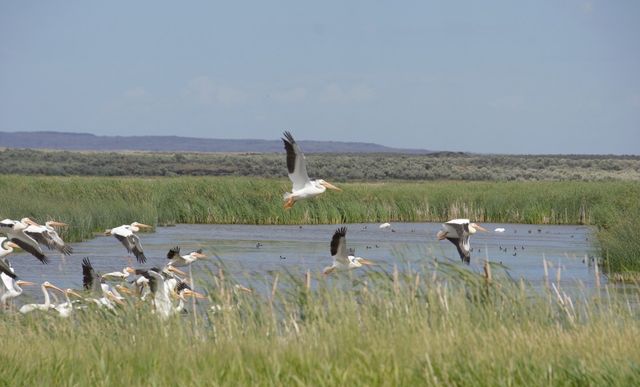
point(442, 325)
point(92, 204)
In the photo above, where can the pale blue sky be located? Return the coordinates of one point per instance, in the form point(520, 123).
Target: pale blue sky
point(482, 76)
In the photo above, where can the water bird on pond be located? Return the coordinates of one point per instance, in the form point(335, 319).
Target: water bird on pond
point(14, 230)
point(303, 187)
point(283, 257)
point(126, 235)
point(499, 229)
point(258, 245)
point(177, 260)
point(341, 258)
point(47, 305)
point(385, 225)
point(458, 232)
point(48, 236)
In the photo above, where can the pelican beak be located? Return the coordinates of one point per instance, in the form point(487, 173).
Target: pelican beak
point(176, 270)
point(243, 289)
point(199, 255)
point(114, 298)
point(30, 221)
point(73, 292)
point(130, 270)
point(11, 244)
point(24, 283)
point(366, 262)
point(48, 285)
point(191, 293)
point(441, 235)
point(58, 224)
point(480, 228)
point(330, 186)
point(143, 225)
point(124, 289)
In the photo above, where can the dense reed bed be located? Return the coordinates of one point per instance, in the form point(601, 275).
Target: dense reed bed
point(91, 204)
point(440, 326)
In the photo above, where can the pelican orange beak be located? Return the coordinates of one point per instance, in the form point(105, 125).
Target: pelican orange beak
point(143, 225)
point(480, 227)
point(330, 186)
point(176, 270)
point(29, 221)
point(242, 288)
point(48, 285)
point(24, 283)
point(73, 292)
point(57, 224)
point(199, 255)
point(11, 244)
point(114, 298)
point(191, 293)
point(124, 289)
point(130, 270)
point(366, 262)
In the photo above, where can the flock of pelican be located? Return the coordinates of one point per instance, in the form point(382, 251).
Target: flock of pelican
point(166, 287)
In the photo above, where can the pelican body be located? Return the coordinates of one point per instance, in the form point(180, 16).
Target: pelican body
point(341, 258)
point(458, 232)
point(126, 235)
point(48, 236)
point(303, 187)
point(177, 260)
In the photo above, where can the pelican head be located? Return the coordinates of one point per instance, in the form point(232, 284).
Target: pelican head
point(48, 285)
point(140, 225)
point(113, 297)
point(53, 223)
point(124, 289)
point(129, 270)
point(473, 227)
point(198, 254)
point(7, 243)
point(326, 184)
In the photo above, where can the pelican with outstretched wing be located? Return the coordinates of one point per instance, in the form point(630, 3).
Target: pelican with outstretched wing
point(15, 232)
point(458, 232)
point(126, 235)
point(48, 236)
point(303, 187)
point(341, 258)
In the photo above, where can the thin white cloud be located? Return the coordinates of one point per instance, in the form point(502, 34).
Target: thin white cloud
point(296, 94)
point(136, 92)
point(335, 93)
point(208, 92)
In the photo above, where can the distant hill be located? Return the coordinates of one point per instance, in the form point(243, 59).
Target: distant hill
point(86, 141)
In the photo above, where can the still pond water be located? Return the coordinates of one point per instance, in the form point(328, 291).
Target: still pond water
point(300, 248)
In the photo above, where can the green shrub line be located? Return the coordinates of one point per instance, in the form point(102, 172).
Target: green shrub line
point(91, 204)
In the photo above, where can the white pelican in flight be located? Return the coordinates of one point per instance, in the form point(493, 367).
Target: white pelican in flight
point(177, 260)
point(131, 242)
point(14, 230)
point(12, 286)
point(341, 258)
point(458, 231)
point(48, 236)
point(6, 248)
point(303, 187)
